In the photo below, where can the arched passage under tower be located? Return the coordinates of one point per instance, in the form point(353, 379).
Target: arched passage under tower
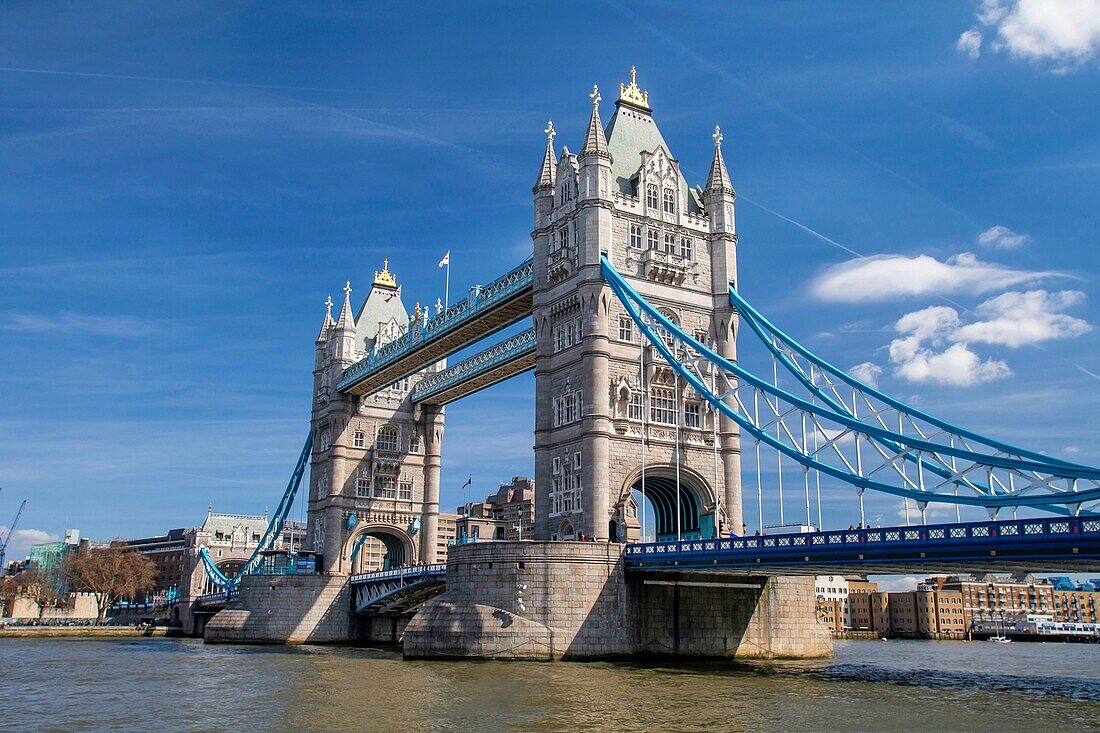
point(667, 510)
point(377, 547)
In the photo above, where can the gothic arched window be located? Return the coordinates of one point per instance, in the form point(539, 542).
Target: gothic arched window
point(670, 201)
point(651, 196)
point(387, 438)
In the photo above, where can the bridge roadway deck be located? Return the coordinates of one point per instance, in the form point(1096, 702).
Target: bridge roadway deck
point(502, 361)
point(1070, 544)
point(397, 591)
point(487, 310)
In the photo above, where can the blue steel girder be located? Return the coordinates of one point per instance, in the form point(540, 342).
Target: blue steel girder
point(1063, 544)
point(271, 534)
point(399, 590)
point(486, 310)
point(991, 480)
point(499, 362)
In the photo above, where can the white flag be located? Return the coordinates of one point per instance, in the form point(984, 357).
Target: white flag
point(446, 259)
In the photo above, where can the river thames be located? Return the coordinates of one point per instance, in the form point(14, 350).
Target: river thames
point(184, 685)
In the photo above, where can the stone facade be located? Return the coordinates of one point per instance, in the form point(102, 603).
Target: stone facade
point(573, 600)
point(374, 473)
point(285, 609)
point(624, 196)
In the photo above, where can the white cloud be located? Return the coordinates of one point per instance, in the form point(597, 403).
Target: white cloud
point(78, 324)
point(868, 372)
point(919, 356)
point(896, 583)
point(885, 277)
point(22, 539)
point(956, 366)
point(1014, 319)
point(1017, 319)
point(1063, 32)
point(1001, 237)
point(970, 43)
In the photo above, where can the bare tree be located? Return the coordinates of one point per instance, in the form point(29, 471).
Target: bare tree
point(31, 583)
point(110, 574)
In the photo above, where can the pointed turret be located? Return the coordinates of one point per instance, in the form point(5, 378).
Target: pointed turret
point(347, 321)
point(595, 142)
point(718, 180)
point(549, 162)
point(327, 324)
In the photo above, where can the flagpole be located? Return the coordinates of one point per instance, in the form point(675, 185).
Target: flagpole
point(447, 285)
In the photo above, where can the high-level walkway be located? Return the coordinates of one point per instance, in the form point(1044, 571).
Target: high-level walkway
point(486, 310)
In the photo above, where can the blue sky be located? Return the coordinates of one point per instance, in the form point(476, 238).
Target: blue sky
point(182, 185)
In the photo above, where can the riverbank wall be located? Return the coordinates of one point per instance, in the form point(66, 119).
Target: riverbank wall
point(42, 632)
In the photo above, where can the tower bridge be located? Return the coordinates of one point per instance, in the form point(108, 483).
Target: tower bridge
point(642, 412)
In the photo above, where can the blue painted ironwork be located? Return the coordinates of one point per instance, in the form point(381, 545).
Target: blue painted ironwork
point(270, 535)
point(398, 589)
point(1062, 541)
point(509, 350)
point(786, 348)
point(480, 300)
point(1042, 484)
point(217, 598)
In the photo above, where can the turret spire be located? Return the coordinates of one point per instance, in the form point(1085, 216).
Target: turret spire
point(328, 323)
point(548, 171)
point(595, 142)
point(346, 319)
point(633, 95)
point(718, 179)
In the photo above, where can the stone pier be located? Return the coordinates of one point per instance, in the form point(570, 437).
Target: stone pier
point(285, 609)
point(573, 600)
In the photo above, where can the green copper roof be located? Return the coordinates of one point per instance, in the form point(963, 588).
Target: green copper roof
point(629, 132)
point(382, 305)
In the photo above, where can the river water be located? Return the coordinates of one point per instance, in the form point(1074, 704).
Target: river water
point(184, 685)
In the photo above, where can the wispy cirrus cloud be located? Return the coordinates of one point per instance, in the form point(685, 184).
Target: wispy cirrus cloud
point(77, 324)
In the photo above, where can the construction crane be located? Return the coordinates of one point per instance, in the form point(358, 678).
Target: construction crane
point(11, 531)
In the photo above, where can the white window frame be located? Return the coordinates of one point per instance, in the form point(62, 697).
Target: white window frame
point(389, 446)
point(626, 329)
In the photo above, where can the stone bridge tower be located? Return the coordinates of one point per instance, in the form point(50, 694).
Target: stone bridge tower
point(623, 195)
point(374, 473)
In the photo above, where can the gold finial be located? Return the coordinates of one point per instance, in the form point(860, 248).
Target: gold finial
point(632, 95)
point(383, 277)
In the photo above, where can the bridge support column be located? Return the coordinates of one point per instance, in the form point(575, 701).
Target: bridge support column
point(717, 615)
point(433, 454)
point(574, 600)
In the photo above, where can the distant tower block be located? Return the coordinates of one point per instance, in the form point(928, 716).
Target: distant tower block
point(623, 195)
point(374, 475)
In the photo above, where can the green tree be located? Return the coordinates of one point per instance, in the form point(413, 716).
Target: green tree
point(110, 574)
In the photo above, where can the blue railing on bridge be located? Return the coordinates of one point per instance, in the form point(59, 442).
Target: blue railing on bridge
point(506, 351)
point(479, 300)
point(794, 547)
point(411, 571)
point(223, 595)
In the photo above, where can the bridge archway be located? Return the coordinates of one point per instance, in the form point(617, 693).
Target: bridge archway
point(228, 565)
point(693, 498)
point(377, 547)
